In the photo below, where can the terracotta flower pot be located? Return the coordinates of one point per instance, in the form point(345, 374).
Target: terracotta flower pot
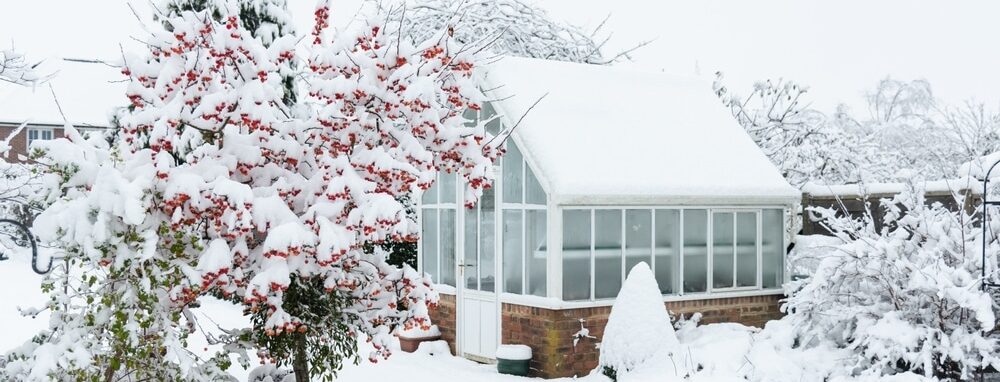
point(410, 344)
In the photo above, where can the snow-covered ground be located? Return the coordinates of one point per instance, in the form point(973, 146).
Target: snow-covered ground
point(714, 352)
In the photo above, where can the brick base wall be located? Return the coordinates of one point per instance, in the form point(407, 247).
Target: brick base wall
point(444, 317)
point(549, 332)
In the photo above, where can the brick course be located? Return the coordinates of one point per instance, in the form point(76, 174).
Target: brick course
point(550, 332)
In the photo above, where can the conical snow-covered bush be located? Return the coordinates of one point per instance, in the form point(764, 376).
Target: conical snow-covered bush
point(638, 326)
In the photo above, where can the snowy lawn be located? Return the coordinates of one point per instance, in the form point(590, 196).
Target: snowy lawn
point(714, 352)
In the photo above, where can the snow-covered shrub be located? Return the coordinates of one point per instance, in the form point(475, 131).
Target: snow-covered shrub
point(215, 185)
point(906, 297)
point(638, 326)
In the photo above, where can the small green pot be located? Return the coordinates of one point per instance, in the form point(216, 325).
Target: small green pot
point(517, 367)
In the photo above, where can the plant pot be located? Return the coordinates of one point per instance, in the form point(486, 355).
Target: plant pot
point(410, 344)
point(513, 360)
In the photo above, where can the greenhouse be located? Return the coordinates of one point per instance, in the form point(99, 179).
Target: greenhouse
point(598, 176)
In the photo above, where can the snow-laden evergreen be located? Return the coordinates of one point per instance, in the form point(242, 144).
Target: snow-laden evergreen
point(638, 326)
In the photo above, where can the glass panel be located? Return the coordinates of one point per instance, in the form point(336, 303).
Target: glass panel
point(513, 177)
point(429, 238)
point(746, 249)
point(695, 251)
point(576, 255)
point(512, 251)
point(447, 242)
point(487, 242)
point(494, 126)
point(668, 249)
point(447, 182)
point(638, 238)
point(722, 250)
point(471, 248)
point(47, 135)
point(535, 252)
point(471, 116)
point(430, 195)
point(607, 253)
point(535, 194)
point(773, 248)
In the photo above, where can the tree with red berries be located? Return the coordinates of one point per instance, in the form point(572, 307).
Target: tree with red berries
point(216, 185)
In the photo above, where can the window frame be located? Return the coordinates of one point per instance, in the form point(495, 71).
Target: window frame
point(439, 206)
point(710, 290)
point(523, 206)
point(39, 131)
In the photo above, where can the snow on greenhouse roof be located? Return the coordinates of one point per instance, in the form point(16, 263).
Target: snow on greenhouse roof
point(609, 135)
point(86, 92)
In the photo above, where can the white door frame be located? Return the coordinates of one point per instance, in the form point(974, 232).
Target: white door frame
point(461, 292)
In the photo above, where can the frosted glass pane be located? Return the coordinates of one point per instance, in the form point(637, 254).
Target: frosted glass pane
point(512, 251)
point(695, 251)
point(607, 253)
point(535, 194)
point(447, 242)
point(746, 249)
point(495, 126)
point(535, 252)
point(668, 250)
point(429, 240)
point(447, 183)
point(638, 238)
point(429, 195)
point(773, 248)
point(513, 176)
point(471, 116)
point(471, 248)
point(576, 255)
point(487, 241)
point(722, 250)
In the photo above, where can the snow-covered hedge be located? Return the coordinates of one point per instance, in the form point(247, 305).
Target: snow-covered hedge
point(906, 297)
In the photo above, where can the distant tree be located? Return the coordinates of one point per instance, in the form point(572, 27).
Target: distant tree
point(16, 69)
point(802, 142)
point(517, 27)
point(906, 131)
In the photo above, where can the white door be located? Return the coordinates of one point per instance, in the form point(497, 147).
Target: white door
point(478, 305)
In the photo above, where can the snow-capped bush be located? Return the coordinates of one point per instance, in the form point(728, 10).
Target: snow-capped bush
point(906, 297)
point(639, 324)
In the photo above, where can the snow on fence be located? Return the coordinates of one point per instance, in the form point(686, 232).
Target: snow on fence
point(854, 197)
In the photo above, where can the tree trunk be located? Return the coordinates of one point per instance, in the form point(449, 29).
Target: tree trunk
point(300, 364)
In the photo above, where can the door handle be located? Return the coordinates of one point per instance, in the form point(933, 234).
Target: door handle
point(466, 265)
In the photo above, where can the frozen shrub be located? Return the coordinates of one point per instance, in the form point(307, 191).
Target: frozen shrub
point(903, 298)
point(639, 325)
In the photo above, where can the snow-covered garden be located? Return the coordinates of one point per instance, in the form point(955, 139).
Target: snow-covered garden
point(250, 213)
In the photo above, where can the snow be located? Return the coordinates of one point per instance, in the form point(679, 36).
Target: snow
point(611, 135)
point(725, 352)
point(860, 189)
point(86, 92)
point(418, 332)
point(639, 325)
point(514, 352)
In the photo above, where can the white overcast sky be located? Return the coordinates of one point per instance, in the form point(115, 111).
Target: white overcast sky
point(838, 48)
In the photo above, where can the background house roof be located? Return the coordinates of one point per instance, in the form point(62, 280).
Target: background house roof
point(87, 93)
point(612, 135)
